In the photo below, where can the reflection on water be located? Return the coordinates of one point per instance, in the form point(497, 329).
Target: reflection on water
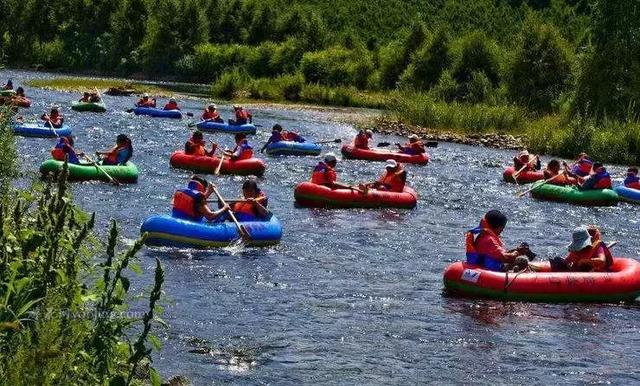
point(353, 296)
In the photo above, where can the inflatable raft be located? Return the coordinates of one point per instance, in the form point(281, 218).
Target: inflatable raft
point(293, 148)
point(204, 164)
point(98, 107)
point(525, 177)
point(127, 173)
point(158, 113)
point(40, 131)
point(573, 195)
point(220, 127)
point(318, 196)
point(622, 283)
point(351, 152)
point(169, 231)
point(628, 194)
point(16, 101)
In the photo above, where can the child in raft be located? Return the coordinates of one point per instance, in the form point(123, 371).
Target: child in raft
point(361, 141)
point(64, 150)
point(196, 145)
point(526, 162)
point(172, 105)
point(120, 154)
point(54, 119)
point(555, 176)
point(599, 178)
point(242, 150)
point(587, 253)
point(190, 203)
point(278, 134)
point(145, 101)
point(211, 114)
point(413, 147)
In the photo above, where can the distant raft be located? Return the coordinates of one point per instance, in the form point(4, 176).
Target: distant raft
point(158, 113)
point(573, 195)
point(221, 127)
point(312, 195)
point(168, 231)
point(95, 107)
point(293, 148)
point(38, 130)
point(621, 283)
point(525, 177)
point(629, 195)
point(127, 173)
point(351, 152)
point(208, 165)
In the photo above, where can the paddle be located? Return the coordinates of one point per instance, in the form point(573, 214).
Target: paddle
point(537, 186)
point(243, 232)
point(337, 140)
point(100, 168)
point(426, 144)
point(198, 123)
point(217, 171)
point(48, 123)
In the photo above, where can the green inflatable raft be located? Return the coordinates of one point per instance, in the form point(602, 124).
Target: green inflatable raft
point(98, 107)
point(127, 173)
point(573, 195)
point(7, 93)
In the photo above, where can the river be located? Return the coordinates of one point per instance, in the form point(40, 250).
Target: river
point(353, 296)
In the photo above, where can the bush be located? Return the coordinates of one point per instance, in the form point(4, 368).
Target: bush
point(428, 64)
point(479, 88)
point(8, 152)
point(477, 54)
point(229, 84)
point(51, 54)
point(337, 66)
point(446, 89)
point(541, 70)
point(210, 61)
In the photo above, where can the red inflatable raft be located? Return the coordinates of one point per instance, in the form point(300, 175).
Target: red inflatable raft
point(351, 152)
point(319, 196)
point(622, 283)
point(204, 164)
point(525, 177)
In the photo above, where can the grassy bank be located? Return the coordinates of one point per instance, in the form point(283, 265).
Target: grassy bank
point(66, 314)
point(79, 84)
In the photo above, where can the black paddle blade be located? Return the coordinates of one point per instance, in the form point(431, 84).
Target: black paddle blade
point(128, 111)
point(384, 144)
point(431, 144)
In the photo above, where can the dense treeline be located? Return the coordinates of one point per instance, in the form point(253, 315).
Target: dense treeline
point(518, 58)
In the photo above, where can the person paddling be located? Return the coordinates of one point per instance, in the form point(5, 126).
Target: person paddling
point(145, 101)
point(242, 116)
point(171, 105)
point(64, 149)
point(413, 147)
point(191, 203)
point(120, 154)
point(526, 162)
point(54, 118)
point(485, 248)
point(20, 92)
point(86, 97)
point(196, 145)
point(599, 178)
point(393, 179)
point(632, 181)
point(211, 114)
point(8, 85)
point(278, 134)
point(557, 176)
point(361, 141)
point(253, 206)
point(242, 150)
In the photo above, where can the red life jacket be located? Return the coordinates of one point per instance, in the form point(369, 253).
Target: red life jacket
point(195, 147)
point(55, 119)
point(208, 115)
point(492, 263)
point(361, 141)
point(323, 174)
point(112, 157)
point(246, 151)
point(393, 181)
point(603, 179)
point(186, 204)
point(147, 103)
point(171, 106)
point(632, 182)
point(245, 211)
point(242, 114)
point(582, 167)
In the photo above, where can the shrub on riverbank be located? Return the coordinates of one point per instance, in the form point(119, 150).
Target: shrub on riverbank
point(65, 315)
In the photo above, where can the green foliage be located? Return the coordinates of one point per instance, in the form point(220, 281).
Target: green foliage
point(478, 54)
point(62, 318)
point(8, 152)
point(542, 68)
point(428, 64)
point(609, 85)
point(396, 56)
point(229, 84)
point(337, 66)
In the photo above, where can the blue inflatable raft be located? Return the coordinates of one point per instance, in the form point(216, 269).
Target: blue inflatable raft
point(219, 127)
point(168, 231)
point(293, 148)
point(40, 131)
point(158, 113)
point(628, 194)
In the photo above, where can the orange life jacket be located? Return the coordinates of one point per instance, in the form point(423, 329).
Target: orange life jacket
point(246, 151)
point(208, 115)
point(323, 174)
point(492, 263)
point(186, 204)
point(195, 147)
point(242, 114)
point(632, 182)
point(393, 181)
point(147, 103)
point(171, 106)
point(112, 157)
point(246, 211)
point(581, 258)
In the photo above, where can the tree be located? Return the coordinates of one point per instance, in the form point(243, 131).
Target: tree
point(428, 63)
point(610, 81)
point(541, 70)
point(127, 23)
point(396, 56)
point(479, 54)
